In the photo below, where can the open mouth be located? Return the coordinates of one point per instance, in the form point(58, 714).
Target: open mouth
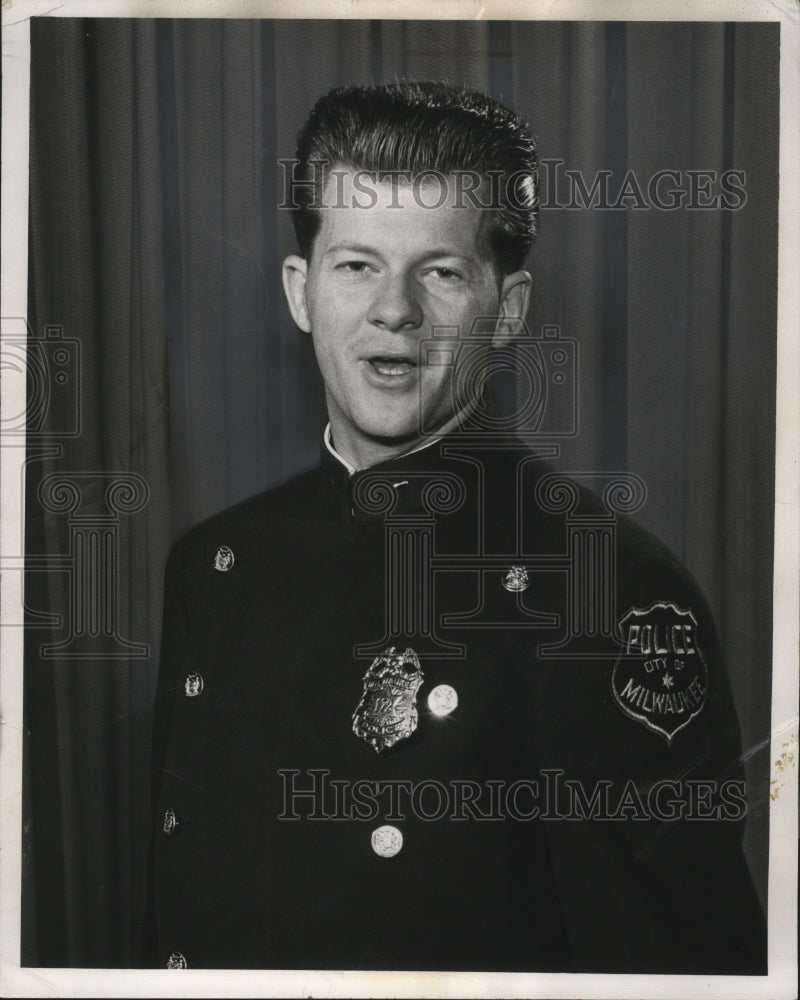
point(392, 366)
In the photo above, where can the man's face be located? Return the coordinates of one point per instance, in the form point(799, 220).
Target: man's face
point(379, 280)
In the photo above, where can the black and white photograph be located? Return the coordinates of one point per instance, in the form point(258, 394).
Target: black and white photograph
point(400, 500)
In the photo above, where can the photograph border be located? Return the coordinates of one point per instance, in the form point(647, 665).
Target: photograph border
point(781, 980)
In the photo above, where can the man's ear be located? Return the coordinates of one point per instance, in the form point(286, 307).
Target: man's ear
point(515, 294)
point(295, 272)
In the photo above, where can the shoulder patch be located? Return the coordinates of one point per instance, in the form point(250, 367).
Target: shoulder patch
point(660, 678)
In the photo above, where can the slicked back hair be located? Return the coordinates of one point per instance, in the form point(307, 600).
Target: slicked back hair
point(415, 128)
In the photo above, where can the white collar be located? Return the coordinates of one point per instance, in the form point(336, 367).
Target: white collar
point(326, 437)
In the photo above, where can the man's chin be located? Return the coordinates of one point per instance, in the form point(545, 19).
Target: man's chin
point(392, 438)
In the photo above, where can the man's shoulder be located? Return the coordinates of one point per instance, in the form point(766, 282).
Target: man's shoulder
point(593, 507)
point(584, 498)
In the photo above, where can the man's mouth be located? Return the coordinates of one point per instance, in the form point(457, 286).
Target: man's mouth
point(392, 366)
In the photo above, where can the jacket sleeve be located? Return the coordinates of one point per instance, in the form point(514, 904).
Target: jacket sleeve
point(653, 878)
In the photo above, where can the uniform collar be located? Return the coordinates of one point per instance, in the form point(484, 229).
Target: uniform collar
point(406, 474)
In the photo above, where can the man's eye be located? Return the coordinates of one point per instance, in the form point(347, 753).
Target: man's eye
point(447, 274)
point(353, 266)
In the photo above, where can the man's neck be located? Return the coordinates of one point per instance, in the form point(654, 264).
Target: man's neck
point(365, 453)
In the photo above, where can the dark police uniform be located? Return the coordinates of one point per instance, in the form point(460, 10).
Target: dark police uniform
point(556, 799)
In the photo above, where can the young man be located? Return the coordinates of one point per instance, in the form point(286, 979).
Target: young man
point(431, 705)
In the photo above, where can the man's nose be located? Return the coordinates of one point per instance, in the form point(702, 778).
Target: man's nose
point(395, 305)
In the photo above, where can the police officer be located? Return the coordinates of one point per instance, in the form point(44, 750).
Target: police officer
point(432, 705)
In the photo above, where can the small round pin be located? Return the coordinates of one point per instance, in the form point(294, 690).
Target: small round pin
point(442, 700)
point(387, 841)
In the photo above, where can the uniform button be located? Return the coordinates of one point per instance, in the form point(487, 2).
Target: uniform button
point(193, 685)
point(224, 559)
point(169, 823)
point(442, 700)
point(177, 961)
point(516, 579)
point(387, 841)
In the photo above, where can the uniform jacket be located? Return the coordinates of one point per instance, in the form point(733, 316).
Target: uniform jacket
point(562, 817)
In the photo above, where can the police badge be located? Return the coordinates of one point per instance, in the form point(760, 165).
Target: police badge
point(387, 711)
point(660, 679)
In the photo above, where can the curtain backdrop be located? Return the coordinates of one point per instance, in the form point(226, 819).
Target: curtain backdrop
point(155, 245)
